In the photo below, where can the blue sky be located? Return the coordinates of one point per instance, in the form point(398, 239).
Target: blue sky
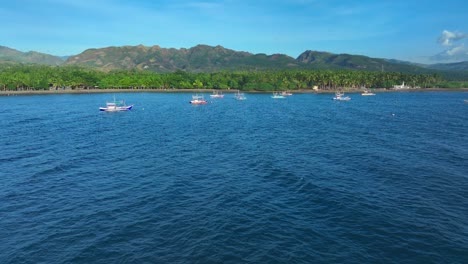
point(419, 31)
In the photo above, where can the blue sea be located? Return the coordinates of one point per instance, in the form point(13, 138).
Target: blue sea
point(305, 179)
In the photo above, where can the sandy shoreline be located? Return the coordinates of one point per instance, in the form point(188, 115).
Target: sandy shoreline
point(90, 91)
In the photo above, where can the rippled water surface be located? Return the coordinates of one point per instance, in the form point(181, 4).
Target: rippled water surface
point(299, 180)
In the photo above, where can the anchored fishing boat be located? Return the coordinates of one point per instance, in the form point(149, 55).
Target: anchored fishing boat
point(277, 95)
point(198, 99)
point(217, 94)
point(116, 106)
point(339, 96)
point(367, 93)
point(240, 96)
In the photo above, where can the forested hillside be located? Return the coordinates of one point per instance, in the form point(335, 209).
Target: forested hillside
point(204, 58)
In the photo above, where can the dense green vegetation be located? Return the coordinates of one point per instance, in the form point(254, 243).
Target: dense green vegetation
point(453, 84)
point(36, 77)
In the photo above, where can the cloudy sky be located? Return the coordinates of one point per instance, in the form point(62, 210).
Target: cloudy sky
point(420, 31)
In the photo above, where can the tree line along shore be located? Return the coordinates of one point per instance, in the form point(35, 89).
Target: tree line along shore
point(70, 79)
point(122, 90)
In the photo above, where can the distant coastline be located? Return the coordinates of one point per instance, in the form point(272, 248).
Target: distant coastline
point(303, 91)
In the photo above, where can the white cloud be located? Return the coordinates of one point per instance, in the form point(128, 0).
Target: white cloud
point(455, 51)
point(458, 50)
point(454, 54)
point(447, 38)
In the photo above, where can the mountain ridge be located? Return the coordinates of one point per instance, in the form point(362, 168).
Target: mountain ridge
point(12, 55)
point(199, 58)
point(205, 58)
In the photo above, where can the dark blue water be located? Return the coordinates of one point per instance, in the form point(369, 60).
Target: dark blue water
point(301, 180)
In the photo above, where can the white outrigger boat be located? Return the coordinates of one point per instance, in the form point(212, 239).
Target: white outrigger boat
point(217, 94)
point(240, 96)
point(367, 93)
point(277, 95)
point(116, 106)
point(198, 99)
point(339, 96)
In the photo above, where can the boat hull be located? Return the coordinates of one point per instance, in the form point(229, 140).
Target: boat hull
point(116, 109)
point(198, 102)
point(342, 98)
point(240, 96)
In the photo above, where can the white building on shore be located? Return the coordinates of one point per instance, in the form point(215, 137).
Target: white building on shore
point(402, 86)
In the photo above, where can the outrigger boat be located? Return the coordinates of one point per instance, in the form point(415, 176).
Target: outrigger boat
point(367, 93)
point(217, 94)
point(198, 99)
point(339, 96)
point(277, 95)
point(116, 106)
point(240, 96)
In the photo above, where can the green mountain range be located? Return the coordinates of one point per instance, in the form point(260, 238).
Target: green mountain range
point(204, 58)
point(201, 58)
